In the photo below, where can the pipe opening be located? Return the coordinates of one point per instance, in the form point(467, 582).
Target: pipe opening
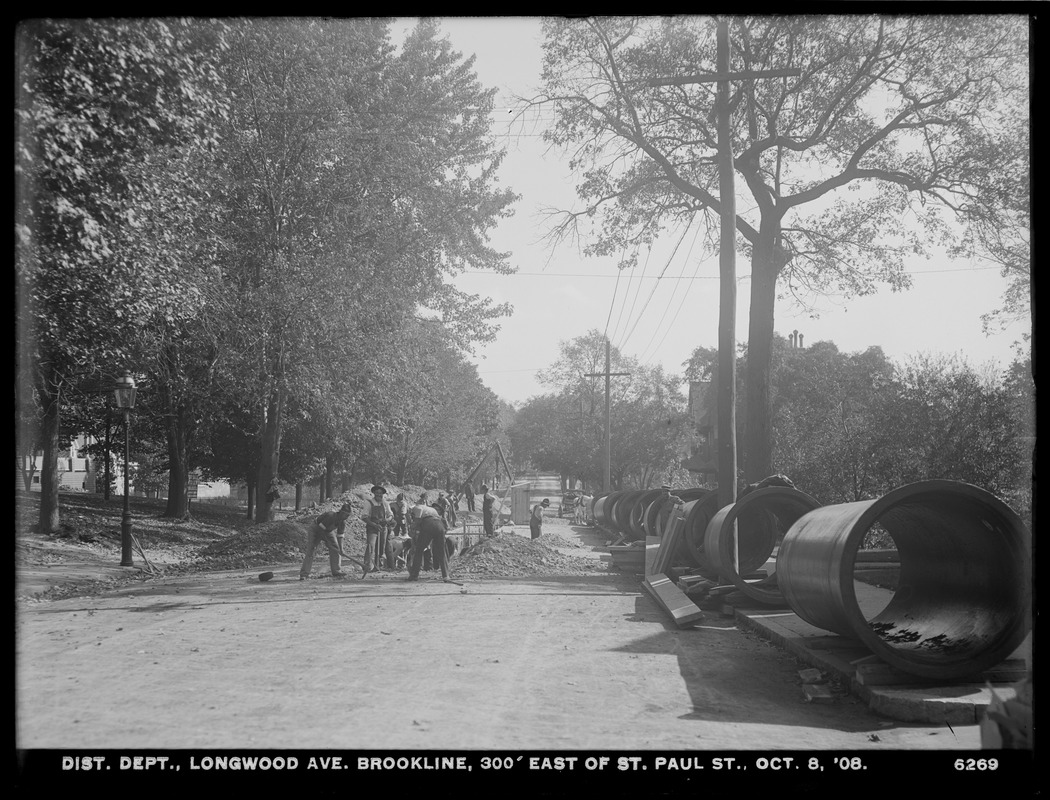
point(958, 594)
point(962, 601)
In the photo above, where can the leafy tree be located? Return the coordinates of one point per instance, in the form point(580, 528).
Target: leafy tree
point(896, 129)
point(441, 413)
point(947, 419)
point(358, 180)
point(566, 430)
point(827, 417)
point(94, 97)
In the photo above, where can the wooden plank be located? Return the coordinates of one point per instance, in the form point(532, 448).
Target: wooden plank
point(669, 597)
point(652, 549)
point(669, 542)
point(879, 673)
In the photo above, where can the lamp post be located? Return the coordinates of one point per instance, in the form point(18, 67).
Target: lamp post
point(124, 392)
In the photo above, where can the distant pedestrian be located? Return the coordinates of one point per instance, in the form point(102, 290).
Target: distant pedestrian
point(536, 520)
point(328, 528)
point(468, 492)
point(488, 510)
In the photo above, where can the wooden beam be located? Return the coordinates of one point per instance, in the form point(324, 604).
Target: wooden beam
point(672, 600)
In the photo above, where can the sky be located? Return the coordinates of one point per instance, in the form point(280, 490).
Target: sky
point(559, 294)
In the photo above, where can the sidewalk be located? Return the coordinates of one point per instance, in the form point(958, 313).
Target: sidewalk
point(954, 703)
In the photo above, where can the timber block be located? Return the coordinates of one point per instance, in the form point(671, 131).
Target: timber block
point(817, 693)
point(669, 597)
point(879, 673)
point(811, 675)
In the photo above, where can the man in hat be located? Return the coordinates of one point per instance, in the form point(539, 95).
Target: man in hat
point(329, 528)
point(536, 520)
point(488, 510)
point(378, 521)
point(400, 508)
point(468, 493)
point(427, 528)
point(441, 505)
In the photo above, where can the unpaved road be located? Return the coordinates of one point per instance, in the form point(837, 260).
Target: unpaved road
point(222, 660)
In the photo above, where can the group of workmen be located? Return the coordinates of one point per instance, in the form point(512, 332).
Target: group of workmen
point(396, 532)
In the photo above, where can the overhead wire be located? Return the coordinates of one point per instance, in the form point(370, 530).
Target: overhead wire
point(670, 258)
point(612, 303)
point(681, 303)
point(638, 290)
point(623, 302)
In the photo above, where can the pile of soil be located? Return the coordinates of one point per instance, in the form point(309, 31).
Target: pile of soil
point(261, 545)
point(509, 555)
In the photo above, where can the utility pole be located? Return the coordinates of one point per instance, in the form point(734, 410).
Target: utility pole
point(607, 485)
point(726, 429)
point(726, 285)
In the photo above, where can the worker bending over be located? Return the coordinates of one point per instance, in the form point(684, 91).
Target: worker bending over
point(329, 528)
point(427, 529)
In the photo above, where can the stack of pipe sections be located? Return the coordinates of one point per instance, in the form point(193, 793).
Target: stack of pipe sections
point(698, 513)
point(963, 599)
point(741, 537)
point(659, 513)
point(637, 512)
point(601, 508)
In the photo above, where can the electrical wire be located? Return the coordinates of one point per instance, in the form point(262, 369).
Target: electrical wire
point(650, 297)
point(616, 287)
point(681, 303)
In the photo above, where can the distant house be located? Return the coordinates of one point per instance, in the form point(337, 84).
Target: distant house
point(75, 474)
point(82, 474)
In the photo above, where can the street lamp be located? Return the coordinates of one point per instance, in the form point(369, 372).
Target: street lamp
point(124, 392)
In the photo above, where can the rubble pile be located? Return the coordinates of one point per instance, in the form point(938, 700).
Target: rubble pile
point(259, 545)
point(509, 555)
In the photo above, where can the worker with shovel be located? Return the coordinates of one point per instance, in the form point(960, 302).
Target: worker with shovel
point(328, 528)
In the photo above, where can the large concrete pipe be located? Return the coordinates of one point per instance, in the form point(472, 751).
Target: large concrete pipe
point(963, 600)
point(698, 514)
point(664, 506)
point(602, 506)
point(641, 504)
point(760, 517)
point(621, 514)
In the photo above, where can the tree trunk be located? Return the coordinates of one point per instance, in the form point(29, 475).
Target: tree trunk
point(758, 438)
point(28, 457)
point(320, 489)
point(178, 434)
point(108, 475)
point(298, 495)
point(50, 399)
point(270, 457)
point(250, 486)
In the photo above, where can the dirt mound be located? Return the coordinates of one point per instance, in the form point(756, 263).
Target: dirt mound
point(260, 545)
point(510, 555)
